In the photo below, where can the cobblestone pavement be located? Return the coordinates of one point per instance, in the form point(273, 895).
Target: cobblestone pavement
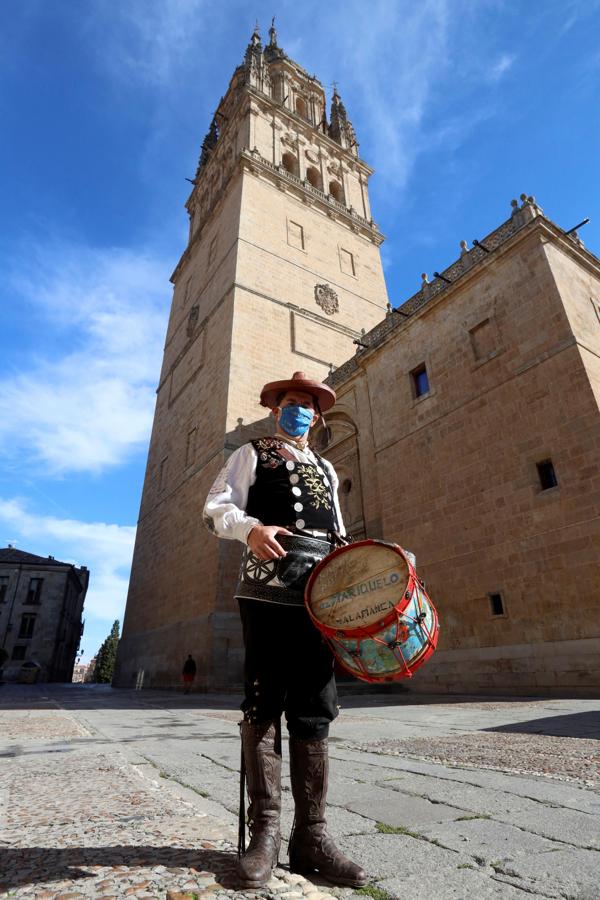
point(122, 794)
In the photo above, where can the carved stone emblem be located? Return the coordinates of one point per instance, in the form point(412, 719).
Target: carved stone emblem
point(327, 298)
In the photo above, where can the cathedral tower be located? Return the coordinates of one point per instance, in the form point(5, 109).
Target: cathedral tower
point(282, 271)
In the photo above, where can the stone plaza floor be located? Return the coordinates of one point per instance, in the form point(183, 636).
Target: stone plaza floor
point(110, 793)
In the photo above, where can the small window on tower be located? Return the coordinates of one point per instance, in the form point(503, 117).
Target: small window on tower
point(3, 587)
point(295, 234)
point(496, 604)
point(547, 475)
point(190, 448)
point(162, 473)
point(420, 381)
point(212, 253)
point(347, 262)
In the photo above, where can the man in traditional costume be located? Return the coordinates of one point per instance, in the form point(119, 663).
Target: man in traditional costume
point(279, 498)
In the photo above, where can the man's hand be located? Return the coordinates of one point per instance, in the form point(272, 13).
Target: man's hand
point(261, 541)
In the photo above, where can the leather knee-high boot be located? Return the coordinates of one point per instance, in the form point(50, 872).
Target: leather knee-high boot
point(311, 847)
point(261, 748)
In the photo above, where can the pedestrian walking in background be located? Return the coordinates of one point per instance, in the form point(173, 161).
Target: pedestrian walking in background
point(188, 673)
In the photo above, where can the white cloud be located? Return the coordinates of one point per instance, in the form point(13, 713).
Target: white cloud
point(87, 402)
point(501, 66)
point(390, 58)
point(104, 548)
point(149, 40)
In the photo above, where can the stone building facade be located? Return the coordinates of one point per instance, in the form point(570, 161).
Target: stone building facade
point(282, 272)
point(467, 426)
point(467, 429)
point(41, 605)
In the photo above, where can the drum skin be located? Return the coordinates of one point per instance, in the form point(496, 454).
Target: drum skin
point(368, 602)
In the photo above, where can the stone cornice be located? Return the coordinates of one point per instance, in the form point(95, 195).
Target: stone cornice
point(256, 164)
point(524, 223)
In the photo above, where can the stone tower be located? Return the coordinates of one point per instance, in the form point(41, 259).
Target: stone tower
point(282, 271)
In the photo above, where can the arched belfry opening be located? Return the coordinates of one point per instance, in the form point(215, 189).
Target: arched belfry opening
point(313, 176)
point(337, 191)
point(289, 162)
point(302, 107)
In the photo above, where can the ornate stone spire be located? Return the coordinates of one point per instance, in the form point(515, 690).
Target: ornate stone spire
point(256, 72)
point(340, 128)
point(272, 34)
point(273, 50)
point(253, 54)
point(208, 145)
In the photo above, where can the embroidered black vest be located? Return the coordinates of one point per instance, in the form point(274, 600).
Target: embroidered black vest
point(288, 492)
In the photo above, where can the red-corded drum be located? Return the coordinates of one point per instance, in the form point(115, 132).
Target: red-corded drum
point(368, 602)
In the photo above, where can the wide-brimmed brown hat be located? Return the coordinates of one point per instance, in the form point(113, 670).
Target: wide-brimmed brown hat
point(324, 395)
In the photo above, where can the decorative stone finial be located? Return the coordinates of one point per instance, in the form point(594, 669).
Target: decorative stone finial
point(341, 129)
point(464, 248)
point(208, 145)
point(425, 278)
point(272, 34)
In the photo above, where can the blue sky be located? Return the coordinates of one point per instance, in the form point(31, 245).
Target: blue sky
point(458, 105)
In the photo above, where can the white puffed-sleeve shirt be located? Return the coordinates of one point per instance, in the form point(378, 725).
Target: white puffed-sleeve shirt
point(224, 510)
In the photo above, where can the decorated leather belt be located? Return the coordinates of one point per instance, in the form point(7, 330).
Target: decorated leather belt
point(281, 580)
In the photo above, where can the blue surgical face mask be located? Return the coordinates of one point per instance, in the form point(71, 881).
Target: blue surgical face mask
point(295, 420)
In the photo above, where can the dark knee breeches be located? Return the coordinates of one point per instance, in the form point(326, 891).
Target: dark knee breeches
point(288, 668)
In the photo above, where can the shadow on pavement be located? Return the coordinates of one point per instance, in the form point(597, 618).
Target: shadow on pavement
point(46, 864)
point(354, 694)
point(579, 725)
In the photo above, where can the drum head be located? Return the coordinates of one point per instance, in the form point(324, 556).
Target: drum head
point(358, 586)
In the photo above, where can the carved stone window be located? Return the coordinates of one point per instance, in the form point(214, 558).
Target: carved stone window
point(212, 252)
point(190, 447)
point(192, 320)
point(295, 235)
point(162, 473)
point(347, 262)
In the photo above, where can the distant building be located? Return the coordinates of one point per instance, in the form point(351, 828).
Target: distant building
point(79, 673)
point(41, 602)
point(91, 668)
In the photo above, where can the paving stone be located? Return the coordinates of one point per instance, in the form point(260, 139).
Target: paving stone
point(457, 884)
point(565, 873)
point(489, 840)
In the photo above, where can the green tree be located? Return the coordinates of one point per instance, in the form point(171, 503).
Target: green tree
point(107, 655)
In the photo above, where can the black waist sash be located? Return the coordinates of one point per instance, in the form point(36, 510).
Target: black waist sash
point(281, 580)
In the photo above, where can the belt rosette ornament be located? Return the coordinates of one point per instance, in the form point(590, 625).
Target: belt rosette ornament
point(327, 298)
